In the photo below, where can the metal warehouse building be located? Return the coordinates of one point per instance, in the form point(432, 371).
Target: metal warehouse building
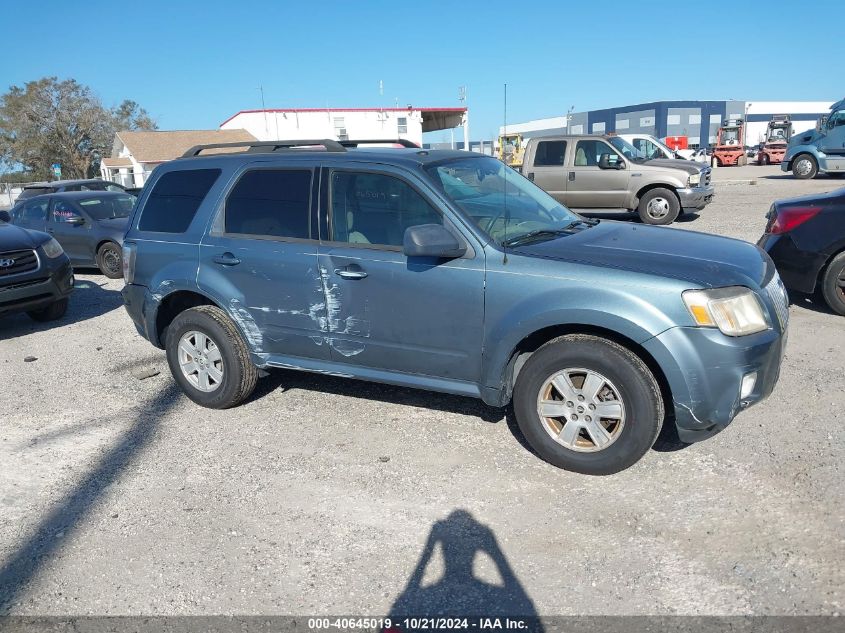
point(697, 120)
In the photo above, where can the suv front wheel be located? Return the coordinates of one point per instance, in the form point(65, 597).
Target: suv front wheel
point(209, 359)
point(587, 404)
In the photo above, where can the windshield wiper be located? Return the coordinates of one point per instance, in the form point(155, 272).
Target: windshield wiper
point(541, 234)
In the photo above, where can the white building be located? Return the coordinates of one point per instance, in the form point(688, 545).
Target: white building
point(347, 123)
point(136, 154)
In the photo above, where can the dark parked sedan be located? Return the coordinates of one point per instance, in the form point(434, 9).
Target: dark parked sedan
point(88, 224)
point(806, 239)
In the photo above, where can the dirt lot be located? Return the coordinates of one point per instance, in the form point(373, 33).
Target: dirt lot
point(327, 496)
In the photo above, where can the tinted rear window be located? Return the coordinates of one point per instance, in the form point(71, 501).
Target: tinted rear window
point(174, 200)
point(108, 208)
point(31, 192)
point(271, 202)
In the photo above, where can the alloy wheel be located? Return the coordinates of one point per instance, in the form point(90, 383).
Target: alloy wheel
point(581, 409)
point(201, 361)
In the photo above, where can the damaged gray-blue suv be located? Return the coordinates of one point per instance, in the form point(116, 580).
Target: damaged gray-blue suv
point(447, 271)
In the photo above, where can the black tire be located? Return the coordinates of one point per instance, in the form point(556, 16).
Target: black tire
point(642, 403)
point(764, 159)
point(52, 312)
point(110, 260)
point(833, 284)
point(668, 198)
point(239, 375)
point(742, 161)
point(802, 174)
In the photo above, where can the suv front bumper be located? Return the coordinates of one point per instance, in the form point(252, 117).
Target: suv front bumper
point(39, 292)
point(705, 369)
point(696, 197)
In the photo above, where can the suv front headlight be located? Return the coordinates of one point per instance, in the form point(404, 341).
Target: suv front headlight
point(52, 248)
point(695, 179)
point(735, 310)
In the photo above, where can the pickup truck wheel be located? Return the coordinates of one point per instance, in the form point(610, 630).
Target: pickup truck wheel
point(209, 359)
point(52, 312)
point(588, 405)
point(659, 206)
point(110, 260)
point(833, 284)
point(805, 167)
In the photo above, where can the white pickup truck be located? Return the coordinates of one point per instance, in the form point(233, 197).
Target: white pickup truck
point(653, 148)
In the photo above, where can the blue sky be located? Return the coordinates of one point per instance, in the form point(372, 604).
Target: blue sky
point(193, 64)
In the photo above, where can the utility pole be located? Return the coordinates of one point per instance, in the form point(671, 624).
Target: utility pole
point(264, 110)
point(462, 97)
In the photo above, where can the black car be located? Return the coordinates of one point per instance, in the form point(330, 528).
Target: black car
point(88, 224)
point(61, 186)
point(35, 274)
point(806, 239)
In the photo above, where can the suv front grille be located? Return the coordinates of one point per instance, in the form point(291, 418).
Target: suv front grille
point(17, 262)
point(705, 176)
point(777, 293)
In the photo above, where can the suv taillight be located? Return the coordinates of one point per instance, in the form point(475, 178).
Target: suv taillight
point(792, 217)
point(129, 262)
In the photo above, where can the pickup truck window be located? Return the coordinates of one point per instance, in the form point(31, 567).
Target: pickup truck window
point(504, 204)
point(588, 153)
point(627, 150)
point(550, 154)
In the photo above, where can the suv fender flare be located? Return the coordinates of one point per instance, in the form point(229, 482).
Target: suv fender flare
point(505, 337)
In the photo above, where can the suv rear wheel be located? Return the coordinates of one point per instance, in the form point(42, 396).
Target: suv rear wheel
point(659, 206)
point(587, 404)
point(209, 359)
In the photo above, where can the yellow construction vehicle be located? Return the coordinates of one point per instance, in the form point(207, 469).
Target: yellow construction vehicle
point(511, 149)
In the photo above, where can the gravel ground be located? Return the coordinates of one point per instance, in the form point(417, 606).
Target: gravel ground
point(323, 495)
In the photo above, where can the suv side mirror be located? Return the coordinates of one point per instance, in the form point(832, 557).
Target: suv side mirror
point(5, 216)
point(605, 162)
point(431, 240)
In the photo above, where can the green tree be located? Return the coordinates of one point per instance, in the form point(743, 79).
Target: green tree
point(50, 121)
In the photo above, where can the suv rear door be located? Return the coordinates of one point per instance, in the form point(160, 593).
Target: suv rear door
point(588, 185)
point(261, 256)
point(386, 310)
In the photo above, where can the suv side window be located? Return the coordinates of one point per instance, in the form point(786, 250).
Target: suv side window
point(550, 154)
point(35, 211)
point(370, 208)
point(270, 202)
point(588, 153)
point(174, 200)
point(64, 211)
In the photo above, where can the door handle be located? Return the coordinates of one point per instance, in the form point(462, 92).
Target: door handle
point(350, 272)
point(531, 176)
point(572, 175)
point(227, 259)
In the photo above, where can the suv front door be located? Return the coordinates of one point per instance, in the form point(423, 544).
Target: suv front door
point(385, 310)
point(589, 186)
point(72, 229)
point(260, 258)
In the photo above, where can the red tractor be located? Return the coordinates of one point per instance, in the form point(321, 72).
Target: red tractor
point(777, 138)
point(729, 149)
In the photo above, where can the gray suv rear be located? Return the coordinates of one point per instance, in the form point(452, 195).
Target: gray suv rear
point(447, 271)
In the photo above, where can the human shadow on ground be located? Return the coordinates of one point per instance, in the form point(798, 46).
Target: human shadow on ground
point(462, 542)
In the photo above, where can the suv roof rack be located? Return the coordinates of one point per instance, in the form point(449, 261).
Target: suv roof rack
point(269, 146)
point(383, 141)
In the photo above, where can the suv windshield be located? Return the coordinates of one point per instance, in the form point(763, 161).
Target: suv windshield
point(504, 204)
point(108, 208)
point(627, 150)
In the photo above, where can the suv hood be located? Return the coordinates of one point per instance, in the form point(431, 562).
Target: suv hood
point(705, 260)
point(691, 167)
point(13, 238)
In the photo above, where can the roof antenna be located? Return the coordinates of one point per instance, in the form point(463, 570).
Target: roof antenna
point(505, 188)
